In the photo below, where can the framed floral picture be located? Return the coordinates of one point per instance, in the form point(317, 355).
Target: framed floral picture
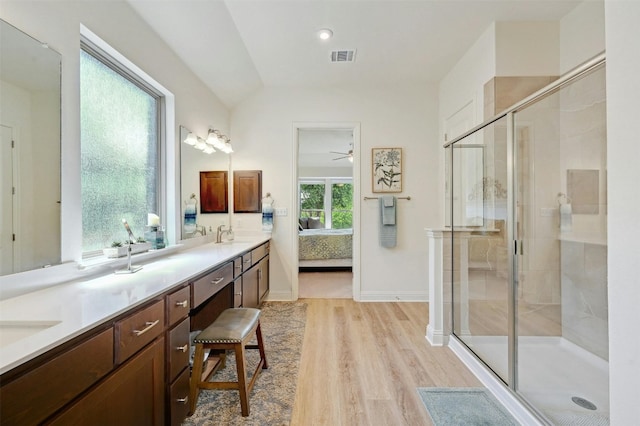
point(386, 169)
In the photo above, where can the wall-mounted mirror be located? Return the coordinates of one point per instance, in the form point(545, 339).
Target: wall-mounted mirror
point(192, 162)
point(29, 152)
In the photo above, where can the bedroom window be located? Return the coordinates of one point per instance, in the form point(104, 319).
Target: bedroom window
point(327, 200)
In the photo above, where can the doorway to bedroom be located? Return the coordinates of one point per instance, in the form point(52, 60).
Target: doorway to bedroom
point(325, 207)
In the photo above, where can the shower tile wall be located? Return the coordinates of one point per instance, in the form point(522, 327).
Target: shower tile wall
point(584, 296)
point(540, 282)
point(584, 249)
point(502, 92)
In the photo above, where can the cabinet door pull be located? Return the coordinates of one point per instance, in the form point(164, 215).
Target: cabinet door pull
point(183, 304)
point(217, 280)
point(247, 261)
point(238, 266)
point(238, 294)
point(149, 326)
point(183, 348)
point(183, 400)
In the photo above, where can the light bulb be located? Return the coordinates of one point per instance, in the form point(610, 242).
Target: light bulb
point(325, 34)
point(191, 139)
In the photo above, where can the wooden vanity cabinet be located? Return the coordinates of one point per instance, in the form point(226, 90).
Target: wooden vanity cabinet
point(133, 395)
point(49, 386)
point(255, 279)
point(177, 354)
point(132, 369)
point(263, 279)
point(250, 288)
point(138, 329)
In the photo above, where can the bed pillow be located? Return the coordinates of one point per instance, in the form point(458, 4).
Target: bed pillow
point(303, 223)
point(315, 223)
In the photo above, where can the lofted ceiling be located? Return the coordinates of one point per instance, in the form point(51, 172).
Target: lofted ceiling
point(236, 47)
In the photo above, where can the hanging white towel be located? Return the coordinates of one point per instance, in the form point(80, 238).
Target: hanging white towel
point(565, 217)
point(388, 230)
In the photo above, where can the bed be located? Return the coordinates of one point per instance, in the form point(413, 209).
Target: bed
point(325, 245)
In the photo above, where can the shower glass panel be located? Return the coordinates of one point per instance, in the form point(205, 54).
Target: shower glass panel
point(561, 266)
point(481, 272)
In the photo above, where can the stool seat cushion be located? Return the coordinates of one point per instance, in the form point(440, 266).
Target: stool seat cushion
point(232, 326)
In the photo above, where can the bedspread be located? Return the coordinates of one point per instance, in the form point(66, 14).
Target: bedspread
point(316, 244)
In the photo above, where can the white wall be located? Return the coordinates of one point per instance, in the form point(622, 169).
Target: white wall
point(527, 48)
point(465, 82)
point(623, 151)
point(58, 24)
point(389, 117)
point(311, 172)
point(581, 34)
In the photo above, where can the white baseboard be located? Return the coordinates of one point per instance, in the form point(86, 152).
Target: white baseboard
point(436, 338)
point(393, 296)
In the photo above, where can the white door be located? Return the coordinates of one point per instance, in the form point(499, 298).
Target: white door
point(6, 201)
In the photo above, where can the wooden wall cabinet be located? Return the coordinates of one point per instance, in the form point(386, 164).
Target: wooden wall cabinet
point(214, 192)
point(247, 191)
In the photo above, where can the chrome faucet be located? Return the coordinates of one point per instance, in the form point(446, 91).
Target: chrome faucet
point(202, 230)
point(219, 233)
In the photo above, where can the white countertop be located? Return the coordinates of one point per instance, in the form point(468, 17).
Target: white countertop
point(35, 322)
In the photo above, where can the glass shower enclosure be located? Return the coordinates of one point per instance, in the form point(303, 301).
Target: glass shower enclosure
point(527, 200)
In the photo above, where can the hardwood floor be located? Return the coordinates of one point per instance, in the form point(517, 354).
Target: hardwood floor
point(325, 285)
point(362, 362)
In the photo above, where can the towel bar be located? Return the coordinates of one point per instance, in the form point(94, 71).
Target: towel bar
point(375, 198)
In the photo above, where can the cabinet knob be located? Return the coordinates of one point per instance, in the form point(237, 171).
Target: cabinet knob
point(182, 348)
point(183, 304)
point(183, 400)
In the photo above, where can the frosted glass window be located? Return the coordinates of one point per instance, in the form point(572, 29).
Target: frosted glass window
point(120, 145)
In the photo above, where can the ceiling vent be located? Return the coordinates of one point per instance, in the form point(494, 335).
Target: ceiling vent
point(343, 55)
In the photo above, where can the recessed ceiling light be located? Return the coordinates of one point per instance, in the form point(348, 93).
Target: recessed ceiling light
point(325, 34)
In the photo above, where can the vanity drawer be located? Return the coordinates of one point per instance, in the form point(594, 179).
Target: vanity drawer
point(237, 267)
point(135, 331)
point(179, 398)
point(45, 389)
point(246, 261)
point(210, 284)
point(178, 305)
point(178, 348)
point(259, 252)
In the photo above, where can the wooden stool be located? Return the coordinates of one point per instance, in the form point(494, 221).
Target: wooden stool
point(232, 330)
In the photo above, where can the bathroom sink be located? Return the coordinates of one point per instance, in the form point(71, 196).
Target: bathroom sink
point(12, 331)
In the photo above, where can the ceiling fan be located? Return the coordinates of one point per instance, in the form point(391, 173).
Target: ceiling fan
point(348, 155)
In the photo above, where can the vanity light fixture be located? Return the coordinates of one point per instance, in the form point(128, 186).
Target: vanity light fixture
point(214, 141)
point(325, 34)
point(191, 139)
point(226, 146)
point(219, 141)
point(201, 144)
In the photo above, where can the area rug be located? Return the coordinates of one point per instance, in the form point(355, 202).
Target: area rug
point(272, 397)
point(464, 406)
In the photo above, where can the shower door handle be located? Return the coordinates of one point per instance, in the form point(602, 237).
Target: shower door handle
point(519, 251)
